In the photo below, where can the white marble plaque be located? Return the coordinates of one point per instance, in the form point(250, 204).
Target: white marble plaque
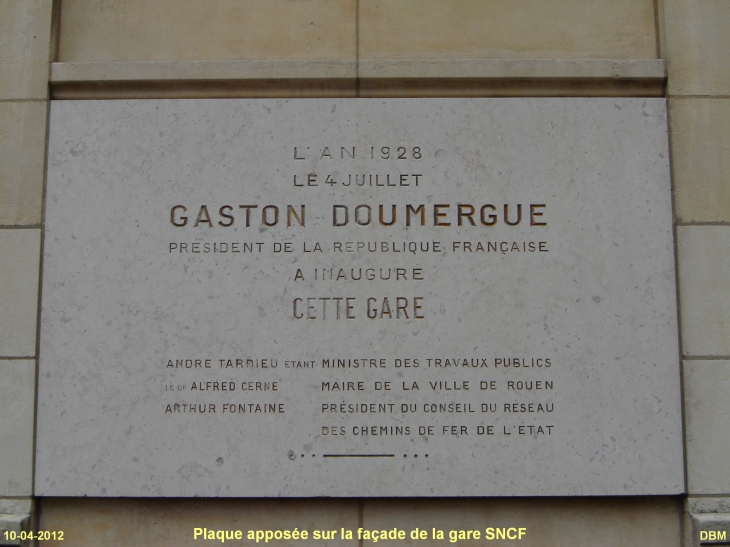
point(443, 297)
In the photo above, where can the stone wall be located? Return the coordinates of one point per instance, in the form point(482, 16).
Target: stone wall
point(86, 49)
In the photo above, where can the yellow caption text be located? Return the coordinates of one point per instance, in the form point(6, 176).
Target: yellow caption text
point(395, 534)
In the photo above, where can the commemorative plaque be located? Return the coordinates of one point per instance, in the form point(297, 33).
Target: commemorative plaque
point(444, 297)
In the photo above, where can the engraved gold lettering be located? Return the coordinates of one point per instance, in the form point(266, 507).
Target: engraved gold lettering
point(203, 216)
point(291, 212)
point(248, 212)
point(181, 220)
point(506, 215)
point(465, 211)
point(492, 218)
point(437, 215)
point(264, 215)
point(419, 210)
point(224, 215)
point(534, 213)
point(392, 216)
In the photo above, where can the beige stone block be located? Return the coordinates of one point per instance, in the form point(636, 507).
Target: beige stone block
point(511, 77)
point(707, 505)
point(381, 78)
point(204, 79)
point(697, 46)
point(516, 69)
point(701, 159)
point(507, 29)
point(170, 522)
point(207, 89)
point(17, 403)
point(25, 38)
point(709, 529)
point(19, 268)
point(22, 153)
point(13, 525)
point(15, 506)
point(707, 415)
point(507, 87)
point(223, 71)
point(703, 254)
point(587, 522)
point(186, 30)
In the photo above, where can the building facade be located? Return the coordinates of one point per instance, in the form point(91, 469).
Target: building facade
point(155, 49)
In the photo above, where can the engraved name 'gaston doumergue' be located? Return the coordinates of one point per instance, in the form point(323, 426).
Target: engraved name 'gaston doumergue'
point(440, 215)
